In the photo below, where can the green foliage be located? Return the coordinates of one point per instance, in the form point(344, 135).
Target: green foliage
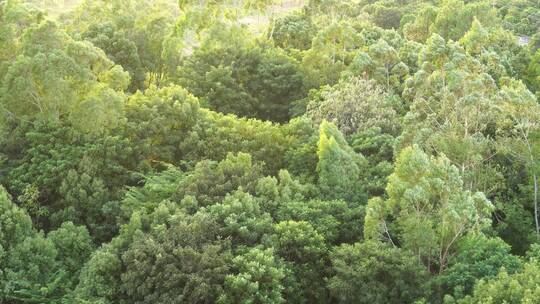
point(339, 168)
point(118, 49)
point(521, 17)
point(431, 209)
point(451, 20)
point(515, 225)
point(74, 246)
point(356, 105)
point(207, 184)
point(479, 257)
point(294, 31)
point(241, 219)
point(14, 19)
point(330, 52)
point(62, 175)
point(15, 223)
point(201, 263)
point(155, 256)
point(381, 62)
point(273, 192)
point(521, 287)
point(157, 119)
point(384, 16)
point(498, 50)
point(300, 245)
point(378, 148)
point(239, 76)
point(452, 112)
point(259, 151)
point(533, 73)
point(57, 79)
point(145, 23)
point(334, 220)
point(31, 271)
point(168, 125)
point(372, 272)
point(258, 280)
point(35, 267)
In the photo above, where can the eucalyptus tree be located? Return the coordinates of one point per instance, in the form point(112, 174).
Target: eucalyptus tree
point(57, 79)
point(431, 209)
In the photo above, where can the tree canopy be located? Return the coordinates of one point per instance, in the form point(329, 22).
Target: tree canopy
point(261, 151)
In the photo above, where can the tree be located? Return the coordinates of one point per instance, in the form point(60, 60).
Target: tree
point(378, 148)
point(330, 151)
point(168, 125)
point(303, 248)
point(158, 121)
point(74, 246)
point(522, 114)
point(161, 256)
point(15, 223)
point(418, 28)
point(475, 39)
point(258, 279)
point(387, 17)
point(455, 17)
point(274, 192)
point(35, 267)
point(521, 17)
point(84, 200)
point(57, 79)
point(533, 73)
point(60, 174)
point(355, 105)
point(389, 69)
point(521, 287)
point(452, 112)
point(339, 167)
point(334, 220)
point(479, 258)
point(331, 49)
point(207, 184)
point(146, 23)
point(119, 49)
point(294, 31)
point(241, 219)
point(372, 272)
point(188, 256)
point(33, 273)
point(231, 73)
point(497, 50)
point(432, 210)
point(15, 17)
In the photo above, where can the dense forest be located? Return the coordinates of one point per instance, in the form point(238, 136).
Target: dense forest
point(260, 151)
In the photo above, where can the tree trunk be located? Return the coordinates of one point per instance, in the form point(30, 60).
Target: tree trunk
point(535, 179)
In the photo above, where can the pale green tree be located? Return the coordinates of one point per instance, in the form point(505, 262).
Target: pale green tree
point(356, 104)
point(451, 111)
point(57, 79)
point(431, 209)
point(522, 122)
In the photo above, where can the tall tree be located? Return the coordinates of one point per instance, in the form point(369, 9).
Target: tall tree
point(339, 167)
point(452, 111)
point(57, 79)
point(431, 208)
point(522, 120)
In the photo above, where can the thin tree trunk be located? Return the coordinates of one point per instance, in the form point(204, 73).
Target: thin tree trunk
point(535, 179)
